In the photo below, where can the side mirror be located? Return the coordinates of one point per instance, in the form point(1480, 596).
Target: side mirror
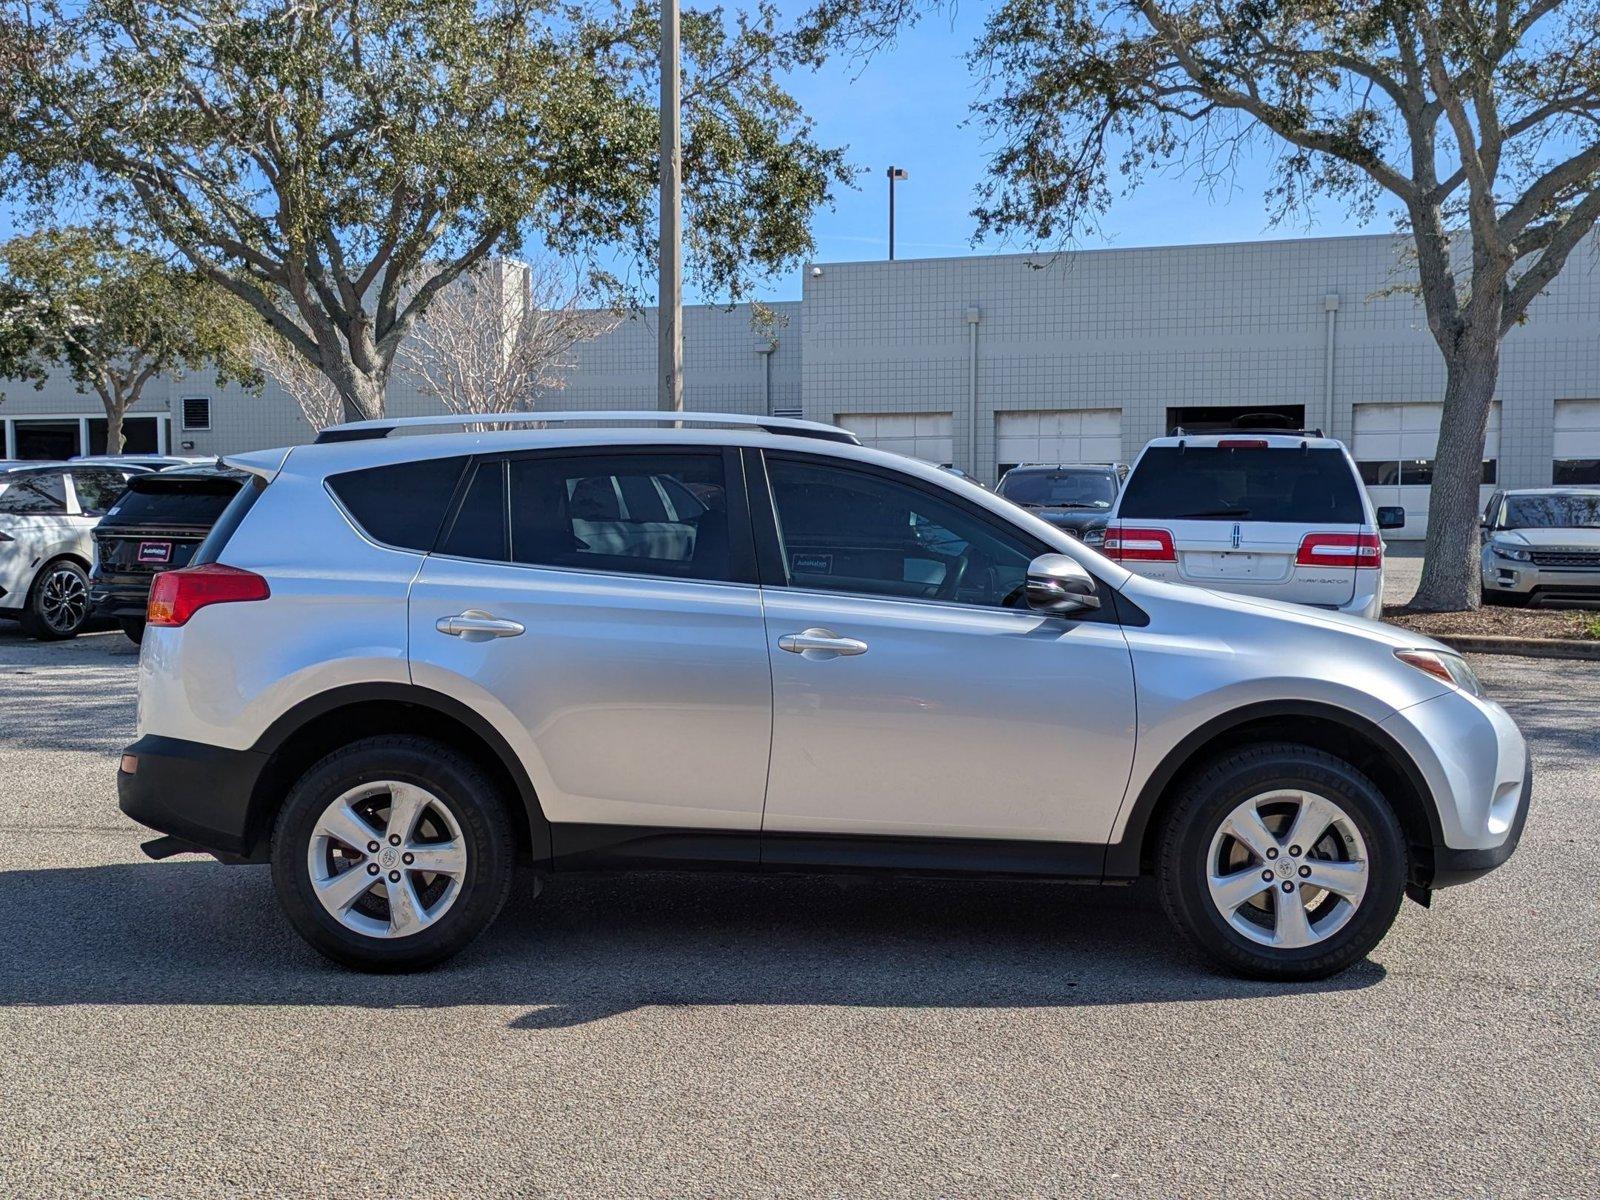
point(1391, 516)
point(1059, 586)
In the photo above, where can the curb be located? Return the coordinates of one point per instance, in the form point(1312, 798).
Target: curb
point(1527, 647)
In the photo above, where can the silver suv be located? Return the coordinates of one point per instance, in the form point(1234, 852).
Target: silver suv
point(400, 664)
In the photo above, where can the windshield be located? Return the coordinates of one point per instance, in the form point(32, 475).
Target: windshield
point(1574, 510)
point(1061, 489)
point(1199, 483)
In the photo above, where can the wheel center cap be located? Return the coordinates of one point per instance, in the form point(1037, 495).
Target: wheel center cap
point(389, 858)
point(1285, 867)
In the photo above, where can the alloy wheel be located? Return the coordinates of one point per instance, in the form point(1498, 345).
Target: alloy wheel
point(387, 859)
point(63, 600)
point(1287, 869)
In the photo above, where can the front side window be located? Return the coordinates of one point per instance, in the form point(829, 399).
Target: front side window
point(44, 494)
point(653, 514)
point(844, 530)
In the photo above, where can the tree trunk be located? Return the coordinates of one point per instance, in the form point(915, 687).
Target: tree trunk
point(113, 429)
point(360, 394)
point(1450, 572)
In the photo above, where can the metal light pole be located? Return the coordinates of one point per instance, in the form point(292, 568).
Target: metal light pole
point(669, 303)
point(894, 173)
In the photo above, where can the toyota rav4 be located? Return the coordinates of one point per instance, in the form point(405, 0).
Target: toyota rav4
point(398, 665)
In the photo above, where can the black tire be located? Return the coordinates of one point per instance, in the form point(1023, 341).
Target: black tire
point(1503, 599)
point(133, 627)
point(1209, 798)
point(471, 798)
point(48, 617)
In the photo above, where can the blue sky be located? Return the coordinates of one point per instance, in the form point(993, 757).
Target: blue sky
point(909, 106)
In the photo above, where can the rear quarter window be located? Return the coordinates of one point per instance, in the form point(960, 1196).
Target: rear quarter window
point(402, 504)
point(1314, 486)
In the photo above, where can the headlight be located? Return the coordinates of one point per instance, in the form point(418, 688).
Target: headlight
point(1514, 553)
point(1094, 537)
point(1443, 666)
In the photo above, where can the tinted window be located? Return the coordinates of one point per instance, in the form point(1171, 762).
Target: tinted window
point(37, 494)
point(403, 504)
point(1205, 484)
point(1577, 470)
point(1578, 511)
point(850, 531)
point(659, 514)
point(479, 530)
point(98, 490)
point(1061, 489)
point(169, 501)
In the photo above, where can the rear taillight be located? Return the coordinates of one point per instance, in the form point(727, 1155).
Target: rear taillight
point(1125, 544)
point(175, 596)
point(1340, 550)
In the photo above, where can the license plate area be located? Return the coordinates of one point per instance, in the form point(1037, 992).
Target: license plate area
point(154, 553)
point(1247, 565)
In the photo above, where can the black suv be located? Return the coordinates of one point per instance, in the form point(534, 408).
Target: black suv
point(1076, 497)
point(157, 525)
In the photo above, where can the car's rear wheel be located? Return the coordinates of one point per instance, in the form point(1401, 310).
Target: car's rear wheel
point(133, 627)
point(58, 602)
point(392, 854)
point(1283, 862)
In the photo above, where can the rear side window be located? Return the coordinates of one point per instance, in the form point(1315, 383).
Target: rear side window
point(403, 504)
point(1212, 484)
point(98, 490)
point(653, 514)
point(479, 530)
point(36, 495)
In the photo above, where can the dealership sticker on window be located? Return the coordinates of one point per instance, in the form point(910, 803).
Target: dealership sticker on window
point(155, 552)
point(812, 564)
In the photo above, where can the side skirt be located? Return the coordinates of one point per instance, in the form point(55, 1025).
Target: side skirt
point(632, 847)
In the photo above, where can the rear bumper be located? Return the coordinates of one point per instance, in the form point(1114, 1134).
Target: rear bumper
point(197, 792)
point(119, 599)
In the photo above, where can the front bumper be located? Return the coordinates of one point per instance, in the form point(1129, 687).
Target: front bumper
point(1450, 866)
point(1511, 578)
point(202, 794)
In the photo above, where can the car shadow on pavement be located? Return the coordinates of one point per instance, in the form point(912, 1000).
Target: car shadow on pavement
point(592, 947)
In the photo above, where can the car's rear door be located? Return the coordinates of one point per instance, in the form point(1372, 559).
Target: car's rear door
point(1280, 522)
point(601, 606)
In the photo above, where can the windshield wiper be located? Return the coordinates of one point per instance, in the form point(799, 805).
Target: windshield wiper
point(1212, 512)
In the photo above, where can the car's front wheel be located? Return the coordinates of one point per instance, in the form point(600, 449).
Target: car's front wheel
point(392, 853)
point(1282, 862)
point(58, 602)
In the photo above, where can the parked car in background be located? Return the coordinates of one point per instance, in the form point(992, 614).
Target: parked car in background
point(47, 518)
point(12, 466)
point(1542, 545)
point(156, 525)
point(398, 664)
point(152, 462)
point(1076, 497)
point(1281, 516)
point(952, 469)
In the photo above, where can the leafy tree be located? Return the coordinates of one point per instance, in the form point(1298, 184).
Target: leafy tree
point(113, 316)
point(1478, 121)
point(336, 166)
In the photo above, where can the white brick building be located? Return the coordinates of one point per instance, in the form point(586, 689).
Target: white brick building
point(990, 361)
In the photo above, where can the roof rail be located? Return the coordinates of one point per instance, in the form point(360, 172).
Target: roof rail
point(1180, 431)
point(360, 431)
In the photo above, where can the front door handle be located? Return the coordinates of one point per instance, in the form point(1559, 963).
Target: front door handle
point(477, 626)
point(819, 644)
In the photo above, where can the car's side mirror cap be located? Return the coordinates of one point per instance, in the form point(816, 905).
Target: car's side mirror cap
point(1058, 585)
point(1391, 516)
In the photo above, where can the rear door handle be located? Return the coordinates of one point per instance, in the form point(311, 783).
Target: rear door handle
point(819, 644)
point(476, 626)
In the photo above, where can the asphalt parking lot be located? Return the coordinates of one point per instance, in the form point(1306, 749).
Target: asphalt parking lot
point(164, 1033)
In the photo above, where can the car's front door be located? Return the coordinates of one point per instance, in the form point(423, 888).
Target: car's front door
point(603, 605)
point(912, 696)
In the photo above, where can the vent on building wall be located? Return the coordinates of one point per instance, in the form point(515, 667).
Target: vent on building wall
point(197, 412)
point(792, 413)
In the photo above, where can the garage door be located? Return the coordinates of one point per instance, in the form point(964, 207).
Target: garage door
point(1057, 436)
point(1394, 446)
point(1577, 442)
point(928, 436)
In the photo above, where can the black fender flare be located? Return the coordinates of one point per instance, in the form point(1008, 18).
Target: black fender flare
point(1123, 856)
point(297, 718)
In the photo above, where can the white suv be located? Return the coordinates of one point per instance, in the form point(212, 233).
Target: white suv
point(399, 664)
point(1277, 515)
